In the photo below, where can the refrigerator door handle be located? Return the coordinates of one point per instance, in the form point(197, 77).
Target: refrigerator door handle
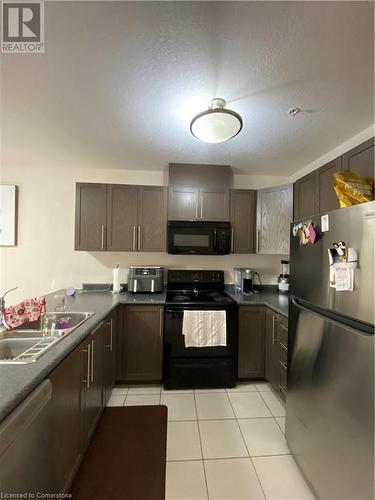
point(356, 326)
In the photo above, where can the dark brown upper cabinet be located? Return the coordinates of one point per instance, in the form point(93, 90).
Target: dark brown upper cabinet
point(183, 203)
point(122, 217)
point(326, 196)
point(242, 218)
point(152, 218)
point(90, 216)
point(360, 159)
point(117, 217)
point(214, 204)
point(203, 204)
point(305, 196)
point(314, 192)
point(199, 192)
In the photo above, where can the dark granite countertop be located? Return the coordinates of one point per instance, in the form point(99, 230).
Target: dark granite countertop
point(18, 381)
point(268, 296)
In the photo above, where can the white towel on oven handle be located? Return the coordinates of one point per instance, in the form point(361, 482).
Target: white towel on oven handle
point(204, 328)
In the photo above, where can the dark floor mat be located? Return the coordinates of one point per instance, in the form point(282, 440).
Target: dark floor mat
point(126, 459)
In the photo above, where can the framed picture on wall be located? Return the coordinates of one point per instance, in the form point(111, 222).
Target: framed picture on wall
point(8, 215)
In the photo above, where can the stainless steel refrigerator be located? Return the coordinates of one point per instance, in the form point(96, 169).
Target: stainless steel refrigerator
point(330, 402)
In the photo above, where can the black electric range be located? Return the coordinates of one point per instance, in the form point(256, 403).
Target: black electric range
point(198, 367)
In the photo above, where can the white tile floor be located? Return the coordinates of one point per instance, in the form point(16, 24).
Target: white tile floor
point(223, 444)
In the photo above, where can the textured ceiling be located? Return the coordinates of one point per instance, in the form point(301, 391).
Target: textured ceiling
point(120, 82)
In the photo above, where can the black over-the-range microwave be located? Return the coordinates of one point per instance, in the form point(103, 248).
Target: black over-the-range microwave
point(199, 238)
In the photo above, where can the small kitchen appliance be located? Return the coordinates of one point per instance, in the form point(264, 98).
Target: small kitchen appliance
point(145, 279)
point(245, 280)
point(197, 367)
point(283, 279)
point(199, 238)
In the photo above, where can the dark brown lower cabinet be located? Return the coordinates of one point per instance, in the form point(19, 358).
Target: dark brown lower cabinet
point(81, 384)
point(142, 343)
point(109, 356)
point(118, 319)
point(271, 358)
point(251, 342)
point(283, 355)
point(276, 352)
point(92, 381)
point(66, 443)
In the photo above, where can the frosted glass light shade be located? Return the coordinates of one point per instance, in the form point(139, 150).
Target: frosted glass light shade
point(216, 124)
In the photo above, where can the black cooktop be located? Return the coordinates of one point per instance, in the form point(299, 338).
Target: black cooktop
point(198, 297)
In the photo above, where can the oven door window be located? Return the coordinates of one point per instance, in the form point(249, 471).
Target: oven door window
point(189, 241)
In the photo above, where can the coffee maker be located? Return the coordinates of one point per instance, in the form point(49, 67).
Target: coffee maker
point(245, 278)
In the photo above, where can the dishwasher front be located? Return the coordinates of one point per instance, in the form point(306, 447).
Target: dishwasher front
point(25, 446)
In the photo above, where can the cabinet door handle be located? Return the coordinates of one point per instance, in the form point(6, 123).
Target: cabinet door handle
point(274, 339)
point(201, 205)
point(134, 237)
point(196, 206)
point(110, 323)
point(258, 240)
point(215, 238)
point(92, 360)
point(103, 240)
point(139, 237)
point(88, 366)
point(232, 242)
point(160, 322)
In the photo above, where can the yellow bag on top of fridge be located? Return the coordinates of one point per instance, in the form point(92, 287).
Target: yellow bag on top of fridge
point(352, 189)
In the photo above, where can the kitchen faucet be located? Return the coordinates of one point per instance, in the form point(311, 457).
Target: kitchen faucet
point(2, 300)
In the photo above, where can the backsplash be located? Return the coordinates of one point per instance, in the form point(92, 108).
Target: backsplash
point(268, 266)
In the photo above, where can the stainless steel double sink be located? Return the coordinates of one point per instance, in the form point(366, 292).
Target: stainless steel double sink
point(30, 341)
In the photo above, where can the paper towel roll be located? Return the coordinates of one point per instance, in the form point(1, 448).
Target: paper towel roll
point(116, 279)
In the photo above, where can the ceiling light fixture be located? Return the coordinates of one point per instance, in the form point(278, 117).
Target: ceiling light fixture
point(217, 124)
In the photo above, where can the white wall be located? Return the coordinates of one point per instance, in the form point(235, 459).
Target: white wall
point(351, 143)
point(44, 259)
